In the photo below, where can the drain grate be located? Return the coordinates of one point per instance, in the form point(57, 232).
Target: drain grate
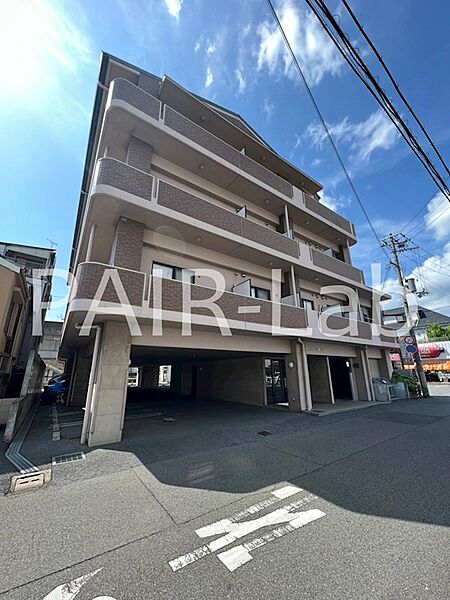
point(29, 481)
point(66, 458)
point(264, 432)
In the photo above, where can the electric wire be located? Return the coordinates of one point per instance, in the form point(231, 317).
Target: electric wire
point(380, 95)
point(322, 120)
point(394, 83)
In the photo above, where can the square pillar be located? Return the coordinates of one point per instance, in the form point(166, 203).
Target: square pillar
point(109, 395)
point(297, 379)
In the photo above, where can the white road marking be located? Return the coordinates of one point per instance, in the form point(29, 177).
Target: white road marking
point(239, 555)
point(67, 591)
point(217, 527)
point(232, 530)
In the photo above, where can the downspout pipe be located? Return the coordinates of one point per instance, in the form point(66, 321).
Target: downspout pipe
point(306, 383)
point(92, 380)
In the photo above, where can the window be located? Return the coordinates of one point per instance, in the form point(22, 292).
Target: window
point(308, 304)
point(261, 293)
point(168, 272)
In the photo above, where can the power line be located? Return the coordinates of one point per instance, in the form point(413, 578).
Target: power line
point(322, 120)
point(394, 83)
point(352, 57)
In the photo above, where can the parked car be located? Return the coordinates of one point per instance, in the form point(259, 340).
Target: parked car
point(57, 389)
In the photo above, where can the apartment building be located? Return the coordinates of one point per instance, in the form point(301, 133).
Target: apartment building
point(184, 204)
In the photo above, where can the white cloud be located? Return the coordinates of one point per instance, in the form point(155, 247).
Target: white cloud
point(433, 274)
point(363, 138)
point(336, 203)
point(268, 108)
point(242, 84)
point(314, 50)
point(197, 46)
point(210, 47)
point(437, 218)
point(174, 7)
point(209, 77)
point(317, 162)
point(298, 141)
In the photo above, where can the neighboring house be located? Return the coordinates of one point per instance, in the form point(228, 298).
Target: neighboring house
point(49, 349)
point(427, 317)
point(14, 302)
point(23, 377)
point(172, 184)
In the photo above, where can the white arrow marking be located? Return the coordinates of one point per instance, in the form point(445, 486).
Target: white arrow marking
point(239, 555)
point(68, 591)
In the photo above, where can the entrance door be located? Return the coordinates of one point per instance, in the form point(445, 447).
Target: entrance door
point(275, 380)
point(340, 378)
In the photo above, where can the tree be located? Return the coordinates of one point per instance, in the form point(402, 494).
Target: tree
point(437, 331)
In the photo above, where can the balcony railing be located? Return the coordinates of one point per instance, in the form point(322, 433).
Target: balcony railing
point(124, 177)
point(187, 204)
point(325, 212)
point(89, 276)
point(336, 266)
point(235, 307)
point(126, 91)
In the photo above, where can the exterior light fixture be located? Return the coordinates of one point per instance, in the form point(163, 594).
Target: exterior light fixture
point(201, 166)
point(202, 118)
point(266, 201)
point(270, 263)
point(306, 222)
point(316, 279)
point(198, 239)
point(290, 365)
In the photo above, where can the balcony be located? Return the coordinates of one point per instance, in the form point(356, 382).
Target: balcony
point(185, 203)
point(248, 239)
point(197, 134)
point(242, 312)
point(336, 266)
point(181, 140)
point(316, 207)
point(89, 276)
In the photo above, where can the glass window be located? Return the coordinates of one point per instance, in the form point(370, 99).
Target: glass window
point(168, 272)
point(308, 304)
point(261, 293)
point(162, 271)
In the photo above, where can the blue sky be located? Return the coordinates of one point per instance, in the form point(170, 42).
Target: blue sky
point(231, 53)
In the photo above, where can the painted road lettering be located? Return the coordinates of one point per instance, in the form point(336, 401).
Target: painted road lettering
point(235, 527)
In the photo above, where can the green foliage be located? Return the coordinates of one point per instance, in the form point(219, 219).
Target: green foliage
point(410, 381)
point(437, 331)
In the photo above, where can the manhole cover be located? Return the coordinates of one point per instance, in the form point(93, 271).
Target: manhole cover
point(29, 481)
point(65, 458)
point(264, 432)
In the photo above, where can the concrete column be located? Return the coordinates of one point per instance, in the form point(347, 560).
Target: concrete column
point(149, 377)
point(295, 379)
point(109, 396)
point(80, 379)
point(361, 374)
point(385, 364)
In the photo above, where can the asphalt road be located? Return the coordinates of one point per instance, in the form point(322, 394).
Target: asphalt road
point(349, 507)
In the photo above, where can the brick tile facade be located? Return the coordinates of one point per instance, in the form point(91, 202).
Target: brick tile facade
point(185, 203)
point(336, 266)
point(327, 213)
point(130, 236)
point(131, 94)
point(117, 174)
point(89, 276)
point(139, 154)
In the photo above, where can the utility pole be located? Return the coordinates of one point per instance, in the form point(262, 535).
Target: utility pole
point(397, 242)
